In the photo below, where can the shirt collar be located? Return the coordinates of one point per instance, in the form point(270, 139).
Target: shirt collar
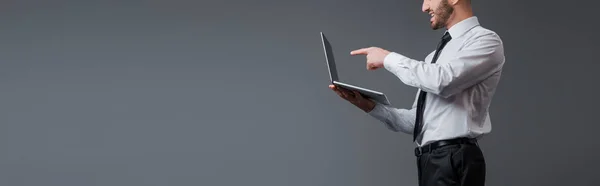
point(463, 26)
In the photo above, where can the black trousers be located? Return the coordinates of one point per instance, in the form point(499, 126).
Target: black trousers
point(458, 164)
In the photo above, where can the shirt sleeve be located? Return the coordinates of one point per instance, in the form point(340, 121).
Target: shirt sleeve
point(395, 119)
point(476, 61)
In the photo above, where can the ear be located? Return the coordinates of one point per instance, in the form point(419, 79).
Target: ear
point(453, 2)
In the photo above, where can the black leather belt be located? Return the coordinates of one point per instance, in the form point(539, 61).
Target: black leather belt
point(437, 144)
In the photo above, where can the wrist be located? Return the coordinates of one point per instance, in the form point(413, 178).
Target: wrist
point(368, 106)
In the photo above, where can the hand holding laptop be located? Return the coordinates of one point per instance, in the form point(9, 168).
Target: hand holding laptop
point(363, 98)
point(375, 56)
point(354, 97)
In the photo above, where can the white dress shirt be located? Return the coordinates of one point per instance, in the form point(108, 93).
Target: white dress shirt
point(459, 86)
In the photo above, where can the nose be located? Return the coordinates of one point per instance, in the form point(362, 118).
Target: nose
point(425, 6)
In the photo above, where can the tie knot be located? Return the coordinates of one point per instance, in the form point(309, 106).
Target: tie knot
point(446, 37)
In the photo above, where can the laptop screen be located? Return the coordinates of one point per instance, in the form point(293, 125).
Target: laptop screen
point(333, 76)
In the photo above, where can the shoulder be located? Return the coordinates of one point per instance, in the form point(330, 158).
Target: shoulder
point(480, 34)
point(485, 42)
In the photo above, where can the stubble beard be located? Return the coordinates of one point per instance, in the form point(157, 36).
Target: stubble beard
point(442, 14)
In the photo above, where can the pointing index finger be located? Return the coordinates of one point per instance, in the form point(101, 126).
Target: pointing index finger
point(360, 51)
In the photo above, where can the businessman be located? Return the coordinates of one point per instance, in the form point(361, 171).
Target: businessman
point(455, 82)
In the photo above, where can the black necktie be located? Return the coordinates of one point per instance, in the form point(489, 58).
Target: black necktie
point(421, 99)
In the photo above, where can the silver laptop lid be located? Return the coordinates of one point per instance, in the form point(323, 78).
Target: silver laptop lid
point(333, 76)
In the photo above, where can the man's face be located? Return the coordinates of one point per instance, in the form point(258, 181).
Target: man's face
point(440, 12)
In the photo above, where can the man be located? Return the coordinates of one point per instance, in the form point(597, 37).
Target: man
point(456, 84)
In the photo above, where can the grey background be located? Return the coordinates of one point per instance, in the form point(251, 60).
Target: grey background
point(234, 92)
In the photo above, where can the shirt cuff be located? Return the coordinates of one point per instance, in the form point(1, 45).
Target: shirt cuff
point(394, 60)
point(401, 66)
point(379, 112)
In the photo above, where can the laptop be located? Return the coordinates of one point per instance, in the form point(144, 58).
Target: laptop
point(333, 76)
